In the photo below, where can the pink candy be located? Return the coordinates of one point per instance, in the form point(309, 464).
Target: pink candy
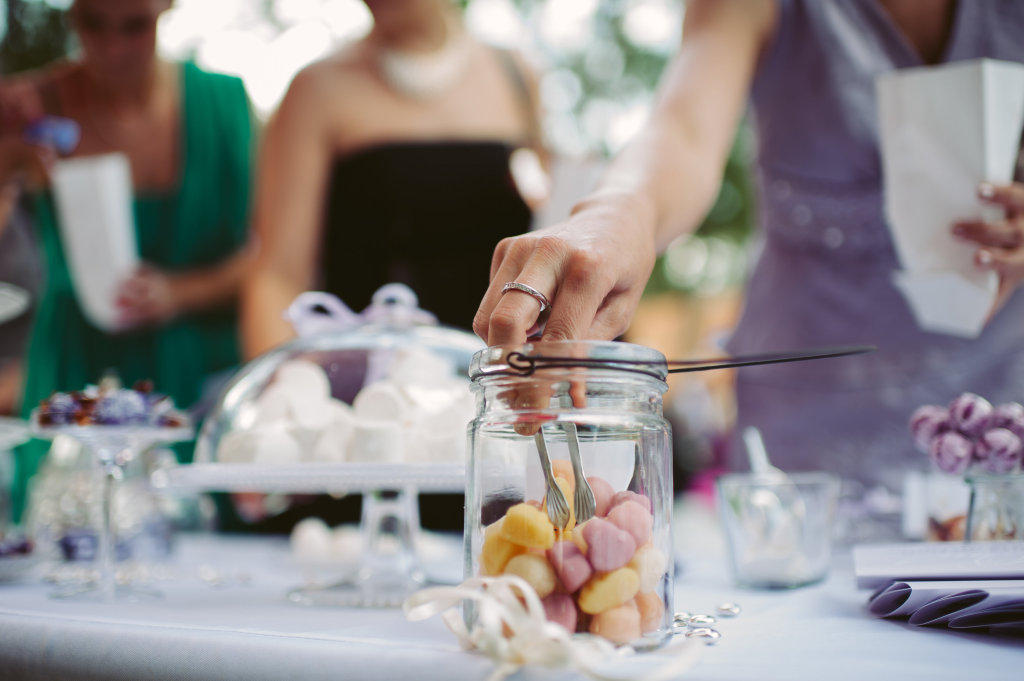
point(570, 565)
point(633, 518)
point(603, 494)
point(608, 547)
point(629, 495)
point(560, 609)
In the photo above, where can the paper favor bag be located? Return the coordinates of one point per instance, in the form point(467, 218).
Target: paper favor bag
point(97, 229)
point(943, 130)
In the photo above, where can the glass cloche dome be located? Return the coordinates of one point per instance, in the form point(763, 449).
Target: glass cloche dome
point(388, 385)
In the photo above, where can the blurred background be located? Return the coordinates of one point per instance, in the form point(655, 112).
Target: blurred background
point(600, 61)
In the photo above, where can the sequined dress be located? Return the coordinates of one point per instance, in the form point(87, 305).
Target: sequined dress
point(823, 273)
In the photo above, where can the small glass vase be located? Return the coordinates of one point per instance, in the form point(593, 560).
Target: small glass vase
point(996, 507)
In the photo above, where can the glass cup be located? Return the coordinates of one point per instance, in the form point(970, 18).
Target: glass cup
point(778, 530)
point(996, 508)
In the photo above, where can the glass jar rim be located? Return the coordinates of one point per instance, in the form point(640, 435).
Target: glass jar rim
point(529, 358)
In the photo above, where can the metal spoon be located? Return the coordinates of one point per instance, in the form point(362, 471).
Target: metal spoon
point(557, 506)
point(583, 500)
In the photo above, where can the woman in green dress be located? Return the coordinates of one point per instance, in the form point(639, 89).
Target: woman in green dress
point(188, 135)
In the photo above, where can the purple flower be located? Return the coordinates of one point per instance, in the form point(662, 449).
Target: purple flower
point(951, 452)
point(970, 414)
point(1009, 416)
point(998, 451)
point(926, 422)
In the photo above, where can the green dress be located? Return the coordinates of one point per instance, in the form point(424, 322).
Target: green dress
point(197, 225)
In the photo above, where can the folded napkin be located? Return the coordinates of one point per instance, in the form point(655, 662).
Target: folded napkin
point(944, 129)
point(957, 604)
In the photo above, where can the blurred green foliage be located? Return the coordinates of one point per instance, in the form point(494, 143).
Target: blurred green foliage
point(33, 34)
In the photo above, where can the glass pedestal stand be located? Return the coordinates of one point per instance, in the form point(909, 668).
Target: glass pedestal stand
point(389, 570)
point(112, 447)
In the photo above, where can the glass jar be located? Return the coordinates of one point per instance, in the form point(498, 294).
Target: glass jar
point(612, 574)
point(996, 507)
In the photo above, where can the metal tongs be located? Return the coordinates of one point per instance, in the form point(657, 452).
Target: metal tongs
point(555, 501)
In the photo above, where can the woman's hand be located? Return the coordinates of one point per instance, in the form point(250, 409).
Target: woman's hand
point(1001, 242)
point(592, 268)
point(150, 297)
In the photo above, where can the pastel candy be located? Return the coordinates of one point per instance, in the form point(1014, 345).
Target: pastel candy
point(603, 493)
point(567, 490)
point(619, 625)
point(633, 518)
point(560, 609)
point(535, 570)
point(562, 468)
point(652, 610)
point(570, 565)
point(528, 526)
point(650, 564)
point(608, 591)
point(576, 537)
point(496, 551)
point(608, 547)
point(630, 495)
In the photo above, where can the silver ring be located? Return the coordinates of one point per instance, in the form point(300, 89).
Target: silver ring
point(530, 291)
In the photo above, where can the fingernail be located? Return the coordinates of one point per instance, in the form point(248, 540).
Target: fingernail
point(986, 190)
point(984, 258)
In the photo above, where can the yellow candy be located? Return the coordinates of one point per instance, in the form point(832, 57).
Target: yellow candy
point(535, 570)
point(619, 625)
point(577, 538)
point(527, 526)
point(608, 590)
point(567, 489)
point(562, 468)
point(496, 551)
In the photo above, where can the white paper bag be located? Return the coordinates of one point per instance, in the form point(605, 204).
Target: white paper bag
point(97, 229)
point(943, 130)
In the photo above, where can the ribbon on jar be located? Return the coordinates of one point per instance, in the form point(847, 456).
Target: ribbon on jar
point(513, 631)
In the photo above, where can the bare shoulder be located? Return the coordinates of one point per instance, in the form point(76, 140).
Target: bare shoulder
point(322, 80)
point(756, 18)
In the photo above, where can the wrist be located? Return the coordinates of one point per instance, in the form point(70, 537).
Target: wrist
point(622, 205)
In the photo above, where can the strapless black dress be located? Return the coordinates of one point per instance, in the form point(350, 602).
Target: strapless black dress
point(425, 214)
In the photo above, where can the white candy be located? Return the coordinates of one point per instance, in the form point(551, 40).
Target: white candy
point(420, 366)
point(381, 401)
point(273, 445)
point(376, 442)
point(273, 405)
point(306, 377)
point(311, 539)
point(333, 442)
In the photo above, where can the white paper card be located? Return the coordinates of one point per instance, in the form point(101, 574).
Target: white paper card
point(876, 565)
point(943, 130)
point(97, 229)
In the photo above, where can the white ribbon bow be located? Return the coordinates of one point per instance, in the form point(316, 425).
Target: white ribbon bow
point(514, 634)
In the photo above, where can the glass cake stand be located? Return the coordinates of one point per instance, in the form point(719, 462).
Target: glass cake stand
point(389, 569)
point(112, 447)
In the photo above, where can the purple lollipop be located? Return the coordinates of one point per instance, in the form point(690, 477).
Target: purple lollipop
point(1009, 416)
point(998, 451)
point(926, 422)
point(951, 452)
point(970, 414)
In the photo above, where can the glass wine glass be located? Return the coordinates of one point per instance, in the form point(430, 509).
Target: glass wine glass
point(112, 447)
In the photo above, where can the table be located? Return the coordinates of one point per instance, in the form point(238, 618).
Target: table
point(246, 629)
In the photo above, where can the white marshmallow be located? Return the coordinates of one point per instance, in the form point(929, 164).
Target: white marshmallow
point(376, 442)
point(273, 445)
point(273, 404)
point(420, 366)
point(307, 377)
point(311, 539)
point(381, 401)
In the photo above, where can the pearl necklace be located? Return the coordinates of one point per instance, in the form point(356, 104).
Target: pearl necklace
point(425, 75)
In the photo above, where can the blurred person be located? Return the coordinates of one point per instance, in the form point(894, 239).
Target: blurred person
point(823, 275)
point(391, 161)
point(188, 135)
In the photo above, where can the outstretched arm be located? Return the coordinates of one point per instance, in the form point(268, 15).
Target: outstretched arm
point(594, 266)
point(291, 182)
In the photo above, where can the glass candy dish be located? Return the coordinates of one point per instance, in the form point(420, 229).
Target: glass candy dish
point(113, 444)
point(375, 403)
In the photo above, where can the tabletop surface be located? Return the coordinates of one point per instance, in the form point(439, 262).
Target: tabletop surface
point(224, 614)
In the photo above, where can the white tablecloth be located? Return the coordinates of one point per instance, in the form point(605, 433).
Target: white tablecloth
point(246, 629)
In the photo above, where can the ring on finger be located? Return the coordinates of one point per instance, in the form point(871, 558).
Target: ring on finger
point(530, 291)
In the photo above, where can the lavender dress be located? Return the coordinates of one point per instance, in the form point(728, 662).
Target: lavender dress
point(823, 275)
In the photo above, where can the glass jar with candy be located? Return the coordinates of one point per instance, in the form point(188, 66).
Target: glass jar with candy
point(569, 484)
